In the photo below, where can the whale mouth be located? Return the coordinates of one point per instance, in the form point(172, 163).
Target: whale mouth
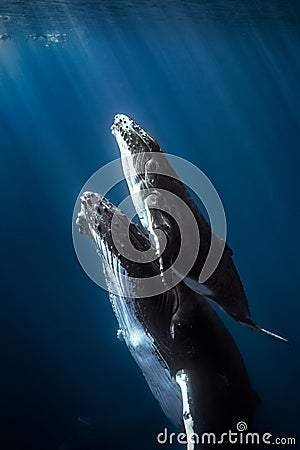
point(131, 137)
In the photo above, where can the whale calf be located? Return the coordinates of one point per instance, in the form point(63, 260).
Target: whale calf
point(148, 172)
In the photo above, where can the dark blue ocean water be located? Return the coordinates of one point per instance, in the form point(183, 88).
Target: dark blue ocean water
point(216, 82)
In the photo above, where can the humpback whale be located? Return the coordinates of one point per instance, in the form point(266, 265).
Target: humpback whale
point(189, 359)
point(147, 173)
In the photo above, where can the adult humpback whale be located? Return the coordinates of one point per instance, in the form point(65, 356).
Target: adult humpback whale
point(148, 172)
point(196, 371)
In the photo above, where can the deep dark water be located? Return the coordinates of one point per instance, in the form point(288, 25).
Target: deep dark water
point(216, 82)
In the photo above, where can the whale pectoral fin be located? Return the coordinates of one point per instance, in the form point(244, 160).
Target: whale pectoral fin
point(182, 379)
point(208, 294)
point(197, 287)
point(253, 325)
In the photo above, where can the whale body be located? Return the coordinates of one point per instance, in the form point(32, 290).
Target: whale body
point(189, 359)
point(147, 172)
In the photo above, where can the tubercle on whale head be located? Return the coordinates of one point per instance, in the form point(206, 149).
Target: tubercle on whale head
point(131, 137)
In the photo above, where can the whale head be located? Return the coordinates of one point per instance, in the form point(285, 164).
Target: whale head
point(157, 194)
point(124, 249)
point(131, 137)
